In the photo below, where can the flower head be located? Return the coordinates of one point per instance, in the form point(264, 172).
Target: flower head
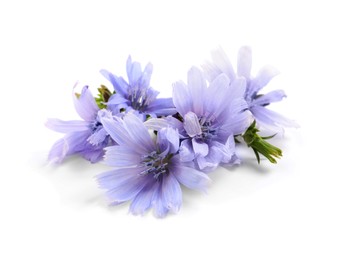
point(211, 116)
point(257, 102)
point(136, 94)
point(149, 171)
point(85, 137)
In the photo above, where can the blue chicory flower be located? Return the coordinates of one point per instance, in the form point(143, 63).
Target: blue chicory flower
point(136, 94)
point(85, 137)
point(212, 115)
point(149, 171)
point(257, 103)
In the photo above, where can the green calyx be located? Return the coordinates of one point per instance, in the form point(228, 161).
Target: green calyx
point(103, 96)
point(259, 144)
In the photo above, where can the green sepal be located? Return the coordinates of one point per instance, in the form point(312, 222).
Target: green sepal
point(103, 96)
point(259, 144)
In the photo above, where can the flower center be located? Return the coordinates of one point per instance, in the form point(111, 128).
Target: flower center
point(208, 131)
point(95, 125)
point(156, 164)
point(139, 98)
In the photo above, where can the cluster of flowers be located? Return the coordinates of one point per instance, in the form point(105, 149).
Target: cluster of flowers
point(158, 144)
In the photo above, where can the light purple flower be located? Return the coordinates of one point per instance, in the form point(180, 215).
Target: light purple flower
point(148, 170)
point(85, 137)
point(257, 102)
point(212, 115)
point(136, 94)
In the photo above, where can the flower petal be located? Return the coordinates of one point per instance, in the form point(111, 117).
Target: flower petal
point(182, 98)
point(201, 149)
point(191, 178)
point(210, 162)
point(218, 94)
point(71, 143)
point(119, 84)
point(116, 129)
point(238, 88)
point(171, 193)
point(121, 156)
point(262, 79)
point(146, 75)
point(143, 201)
point(134, 71)
point(162, 107)
point(158, 123)
point(211, 71)
point(266, 99)
point(168, 138)
point(67, 126)
point(235, 124)
point(93, 155)
point(122, 184)
point(98, 137)
point(269, 117)
point(159, 207)
point(192, 125)
point(117, 99)
point(244, 62)
point(227, 150)
point(221, 60)
point(138, 132)
point(186, 152)
point(197, 87)
point(86, 105)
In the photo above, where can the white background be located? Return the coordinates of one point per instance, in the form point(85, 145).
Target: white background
point(292, 210)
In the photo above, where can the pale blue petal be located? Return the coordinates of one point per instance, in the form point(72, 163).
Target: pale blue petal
point(92, 155)
point(122, 184)
point(117, 99)
point(119, 84)
point(117, 131)
point(238, 88)
point(244, 62)
point(186, 152)
point(227, 150)
point(162, 107)
point(262, 79)
point(197, 87)
point(86, 105)
point(171, 193)
point(218, 94)
point(67, 126)
point(160, 209)
point(211, 71)
point(121, 156)
point(128, 131)
point(70, 144)
point(201, 149)
point(191, 178)
point(158, 123)
point(210, 162)
point(139, 133)
point(269, 117)
point(134, 71)
point(235, 124)
point(168, 139)
point(266, 99)
point(98, 137)
point(192, 125)
point(143, 201)
point(182, 98)
point(220, 59)
point(146, 75)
